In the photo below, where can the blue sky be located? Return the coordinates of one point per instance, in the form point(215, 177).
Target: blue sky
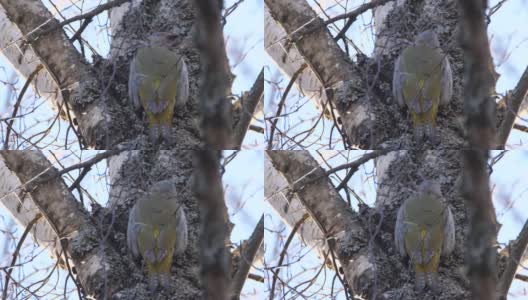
point(243, 190)
point(510, 198)
point(509, 44)
point(244, 37)
point(244, 193)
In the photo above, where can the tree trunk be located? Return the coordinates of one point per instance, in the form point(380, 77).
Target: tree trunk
point(360, 90)
point(383, 274)
point(96, 245)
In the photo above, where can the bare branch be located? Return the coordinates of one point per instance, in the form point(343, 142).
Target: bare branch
point(67, 68)
point(353, 166)
point(281, 104)
point(513, 103)
point(352, 15)
point(517, 249)
point(248, 104)
point(86, 16)
point(70, 222)
point(246, 259)
point(90, 162)
point(283, 254)
point(17, 104)
point(17, 251)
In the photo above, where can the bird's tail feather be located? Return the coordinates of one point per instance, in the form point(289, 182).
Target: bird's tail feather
point(166, 133)
point(154, 133)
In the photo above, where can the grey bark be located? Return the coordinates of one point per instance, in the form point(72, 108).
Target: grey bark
point(367, 253)
point(360, 89)
point(96, 94)
point(96, 243)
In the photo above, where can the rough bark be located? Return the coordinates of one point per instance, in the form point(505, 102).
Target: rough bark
point(479, 111)
point(71, 74)
point(97, 93)
point(363, 98)
point(370, 247)
point(288, 59)
point(96, 242)
point(289, 208)
point(340, 227)
point(99, 268)
point(247, 110)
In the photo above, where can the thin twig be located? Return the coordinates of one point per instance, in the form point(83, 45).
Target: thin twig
point(248, 103)
point(513, 103)
point(78, 33)
point(17, 251)
point(88, 163)
point(281, 104)
point(19, 100)
point(517, 249)
point(283, 253)
point(352, 16)
point(246, 259)
point(94, 12)
point(353, 166)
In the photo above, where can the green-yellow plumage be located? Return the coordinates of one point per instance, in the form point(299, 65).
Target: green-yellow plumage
point(425, 231)
point(158, 82)
point(422, 81)
point(157, 230)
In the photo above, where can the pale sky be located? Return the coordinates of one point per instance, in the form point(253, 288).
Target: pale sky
point(244, 194)
point(244, 37)
point(510, 198)
point(509, 42)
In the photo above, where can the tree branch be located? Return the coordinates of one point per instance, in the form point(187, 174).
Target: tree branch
point(17, 251)
point(319, 50)
point(216, 127)
point(281, 104)
point(333, 216)
point(480, 78)
point(90, 162)
point(248, 104)
point(17, 104)
point(69, 71)
point(354, 166)
point(283, 254)
point(214, 226)
point(479, 109)
point(246, 259)
point(352, 15)
point(513, 103)
point(517, 249)
point(71, 224)
point(86, 16)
